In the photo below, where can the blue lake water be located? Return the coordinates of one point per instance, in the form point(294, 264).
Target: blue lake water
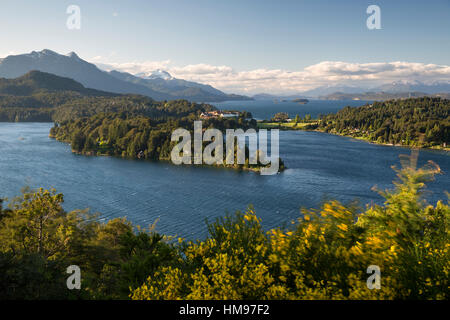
point(265, 109)
point(319, 165)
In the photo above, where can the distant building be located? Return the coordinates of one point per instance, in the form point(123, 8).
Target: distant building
point(219, 114)
point(228, 114)
point(210, 114)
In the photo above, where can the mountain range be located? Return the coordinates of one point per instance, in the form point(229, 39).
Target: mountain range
point(44, 97)
point(329, 89)
point(415, 86)
point(37, 82)
point(381, 95)
point(393, 90)
point(400, 88)
point(169, 88)
point(158, 85)
point(266, 96)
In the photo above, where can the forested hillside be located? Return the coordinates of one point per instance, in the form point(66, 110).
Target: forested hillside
point(419, 122)
point(39, 96)
point(35, 82)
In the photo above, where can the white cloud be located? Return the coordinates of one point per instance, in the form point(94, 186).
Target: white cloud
point(282, 81)
point(131, 67)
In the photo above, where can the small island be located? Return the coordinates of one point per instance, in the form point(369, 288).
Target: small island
point(301, 101)
point(137, 136)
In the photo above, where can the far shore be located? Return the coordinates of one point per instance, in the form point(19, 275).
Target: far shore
point(302, 127)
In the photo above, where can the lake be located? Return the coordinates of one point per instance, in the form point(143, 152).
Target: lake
point(320, 166)
point(265, 109)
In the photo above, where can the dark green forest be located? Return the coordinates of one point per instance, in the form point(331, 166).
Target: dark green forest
point(39, 240)
point(137, 136)
point(417, 122)
point(39, 96)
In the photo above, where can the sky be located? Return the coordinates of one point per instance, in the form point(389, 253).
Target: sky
point(243, 46)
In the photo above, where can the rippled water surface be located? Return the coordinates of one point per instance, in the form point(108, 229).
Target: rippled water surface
point(320, 166)
point(265, 109)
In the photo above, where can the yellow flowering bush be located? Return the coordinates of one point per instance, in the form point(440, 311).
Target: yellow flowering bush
point(323, 255)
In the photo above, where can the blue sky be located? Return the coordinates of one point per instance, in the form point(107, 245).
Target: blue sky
point(242, 35)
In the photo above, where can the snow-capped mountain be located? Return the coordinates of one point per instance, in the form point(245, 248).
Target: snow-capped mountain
point(400, 86)
point(415, 86)
point(156, 74)
point(178, 88)
point(69, 66)
point(328, 89)
point(159, 84)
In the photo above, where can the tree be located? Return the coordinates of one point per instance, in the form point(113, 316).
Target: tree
point(39, 240)
point(38, 224)
point(78, 141)
point(280, 117)
point(422, 122)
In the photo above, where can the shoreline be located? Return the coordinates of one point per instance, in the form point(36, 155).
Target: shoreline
point(288, 127)
point(223, 166)
point(438, 148)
